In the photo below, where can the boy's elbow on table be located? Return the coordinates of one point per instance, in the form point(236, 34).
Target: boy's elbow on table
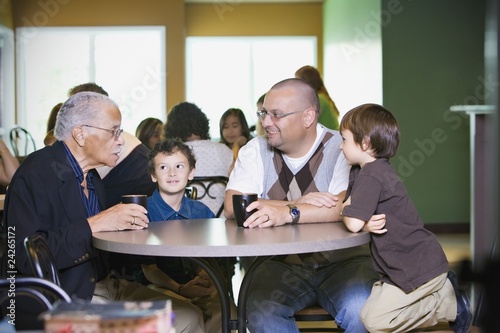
point(353, 224)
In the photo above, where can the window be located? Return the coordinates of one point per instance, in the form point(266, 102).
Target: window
point(7, 93)
point(128, 62)
point(233, 72)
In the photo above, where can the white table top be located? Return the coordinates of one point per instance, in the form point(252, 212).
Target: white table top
point(222, 238)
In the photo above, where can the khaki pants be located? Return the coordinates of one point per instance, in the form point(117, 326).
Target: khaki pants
point(389, 309)
point(188, 318)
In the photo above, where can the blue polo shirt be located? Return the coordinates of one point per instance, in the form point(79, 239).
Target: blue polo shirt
point(159, 210)
point(179, 269)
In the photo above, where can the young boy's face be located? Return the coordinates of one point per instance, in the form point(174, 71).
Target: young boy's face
point(172, 172)
point(354, 153)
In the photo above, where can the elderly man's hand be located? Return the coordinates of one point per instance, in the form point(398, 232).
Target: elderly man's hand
point(120, 217)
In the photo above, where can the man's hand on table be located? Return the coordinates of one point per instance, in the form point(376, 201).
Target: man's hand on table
point(120, 217)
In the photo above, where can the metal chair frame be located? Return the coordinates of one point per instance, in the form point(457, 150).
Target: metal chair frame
point(41, 258)
point(206, 184)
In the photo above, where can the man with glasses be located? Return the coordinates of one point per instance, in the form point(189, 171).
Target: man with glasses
point(300, 175)
point(57, 193)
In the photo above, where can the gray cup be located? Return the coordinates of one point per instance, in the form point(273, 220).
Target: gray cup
point(140, 199)
point(240, 203)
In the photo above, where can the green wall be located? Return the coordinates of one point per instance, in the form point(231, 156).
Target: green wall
point(433, 58)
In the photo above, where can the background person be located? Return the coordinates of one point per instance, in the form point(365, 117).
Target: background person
point(8, 164)
point(149, 132)
point(234, 131)
point(188, 123)
point(328, 113)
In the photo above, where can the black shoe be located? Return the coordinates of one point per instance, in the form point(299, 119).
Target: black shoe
point(464, 316)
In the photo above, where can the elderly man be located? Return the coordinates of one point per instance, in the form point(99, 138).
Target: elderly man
point(298, 171)
point(58, 193)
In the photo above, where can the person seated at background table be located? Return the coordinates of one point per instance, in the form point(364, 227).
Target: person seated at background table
point(58, 192)
point(408, 295)
point(259, 130)
point(172, 165)
point(149, 131)
point(8, 164)
point(328, 112)
point(234, 131)
point(51, 123)
point(299, 174)
point(187, 122)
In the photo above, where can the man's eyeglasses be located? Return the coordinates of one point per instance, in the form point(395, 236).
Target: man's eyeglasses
point(116, 133)
point(274, 116)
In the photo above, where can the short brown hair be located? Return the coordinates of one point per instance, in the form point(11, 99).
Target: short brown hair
point(169, 147)
point(376, 124)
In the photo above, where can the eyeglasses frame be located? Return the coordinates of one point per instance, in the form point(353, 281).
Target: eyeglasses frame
point(116, 133)
point(261, 114)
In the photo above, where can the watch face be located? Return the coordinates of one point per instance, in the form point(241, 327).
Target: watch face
point(295, 212)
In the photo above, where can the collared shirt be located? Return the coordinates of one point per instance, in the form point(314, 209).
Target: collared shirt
point(179, 269)
point(91, 203)
point(159, 210)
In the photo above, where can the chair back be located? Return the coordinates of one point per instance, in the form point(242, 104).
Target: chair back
point(22, 142)
point(211, 190)
point(191, 192)
point(32, 296)
point(41, 259)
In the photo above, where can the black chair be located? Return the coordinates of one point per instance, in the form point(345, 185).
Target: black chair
point(41, 259)
point(226, 264)
point(191, 192)
point(22, 142)
point(33, 296)
point(203, 186)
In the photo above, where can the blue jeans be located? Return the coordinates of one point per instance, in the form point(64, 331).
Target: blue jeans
point(278, 290)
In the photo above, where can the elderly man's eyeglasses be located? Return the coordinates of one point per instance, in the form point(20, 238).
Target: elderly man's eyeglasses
point(275, 116)
point(116, 133)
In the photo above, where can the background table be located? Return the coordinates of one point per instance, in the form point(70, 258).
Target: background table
point(205, 238)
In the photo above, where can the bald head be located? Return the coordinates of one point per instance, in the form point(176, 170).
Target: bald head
point(304, 93)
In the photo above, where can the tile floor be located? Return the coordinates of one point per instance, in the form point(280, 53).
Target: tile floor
point(456, 247)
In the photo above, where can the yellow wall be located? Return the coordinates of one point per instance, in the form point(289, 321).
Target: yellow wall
point(257, 20)
point(180, 20)
point(6, 13)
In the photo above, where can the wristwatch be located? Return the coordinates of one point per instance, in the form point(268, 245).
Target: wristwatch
point(295, 213)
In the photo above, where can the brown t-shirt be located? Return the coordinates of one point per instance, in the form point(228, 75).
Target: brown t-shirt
point(407, 255)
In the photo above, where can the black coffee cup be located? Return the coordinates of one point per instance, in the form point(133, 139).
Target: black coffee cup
point(240, 204)
point(140, 199)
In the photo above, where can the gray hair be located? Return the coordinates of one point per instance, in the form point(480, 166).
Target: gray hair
point(79, 109)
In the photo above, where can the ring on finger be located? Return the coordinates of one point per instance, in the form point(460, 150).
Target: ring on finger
point(133, 221)
point(267, 217)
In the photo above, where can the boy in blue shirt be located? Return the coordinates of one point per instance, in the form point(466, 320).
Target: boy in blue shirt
point(172, 166)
